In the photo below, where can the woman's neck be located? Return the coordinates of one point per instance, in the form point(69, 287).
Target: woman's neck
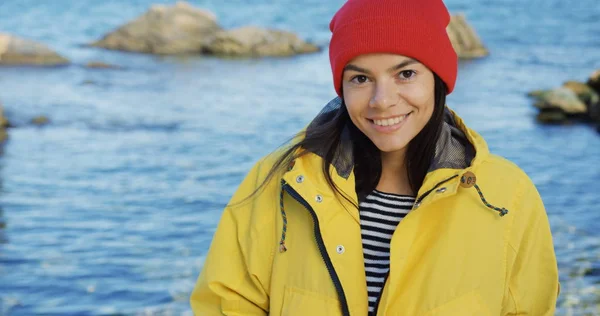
point(394, 173)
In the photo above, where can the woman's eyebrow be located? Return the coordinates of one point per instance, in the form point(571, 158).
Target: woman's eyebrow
point(356, 68)
point(401, 65)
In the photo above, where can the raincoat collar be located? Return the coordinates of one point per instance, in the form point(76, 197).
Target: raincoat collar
point(459, 152)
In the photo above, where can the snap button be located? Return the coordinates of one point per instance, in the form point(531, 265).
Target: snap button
point(441, 190)
point(340, 249)
point(319, 199)
point(468, 179)
point(300, 179)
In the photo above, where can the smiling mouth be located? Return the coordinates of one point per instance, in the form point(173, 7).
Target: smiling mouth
point(390, 121)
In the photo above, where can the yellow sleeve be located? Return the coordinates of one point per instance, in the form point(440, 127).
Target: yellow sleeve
point(236, 274)
point(533, 283)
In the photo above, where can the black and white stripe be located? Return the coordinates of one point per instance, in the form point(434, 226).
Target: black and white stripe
point(380, 214)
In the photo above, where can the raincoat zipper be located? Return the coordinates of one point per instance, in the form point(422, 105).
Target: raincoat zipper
point(418, 200)
point(322, 249)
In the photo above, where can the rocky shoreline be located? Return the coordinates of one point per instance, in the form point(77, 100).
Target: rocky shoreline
point(572, 102)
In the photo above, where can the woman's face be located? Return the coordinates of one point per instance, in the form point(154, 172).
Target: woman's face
point(389, 97)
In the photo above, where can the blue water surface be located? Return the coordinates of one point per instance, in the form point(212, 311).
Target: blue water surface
point(110, 209)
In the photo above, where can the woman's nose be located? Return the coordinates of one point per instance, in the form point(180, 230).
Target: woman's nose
point(384, 96)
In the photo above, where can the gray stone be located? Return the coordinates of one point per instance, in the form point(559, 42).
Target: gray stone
point(164, 30)
point(562, 99)
point(3, 125)
point(253, 41)
point(587, 95)
point(40, 120)
point(101, 65)
point(465, 40)
point(19, 51)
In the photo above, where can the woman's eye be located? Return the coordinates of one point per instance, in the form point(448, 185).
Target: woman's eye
point(407, 74)
point(360, 79)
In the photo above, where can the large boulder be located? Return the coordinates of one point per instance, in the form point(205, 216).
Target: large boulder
point(572, 100)
point(253, 41)
point(561, 99)
point(465, 41)
point(164, 30)
point(19, 51)
point(184, 29)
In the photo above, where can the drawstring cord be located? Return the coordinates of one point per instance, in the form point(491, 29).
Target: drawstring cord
point(469, 180)
point(502, 211)
point(282, 247)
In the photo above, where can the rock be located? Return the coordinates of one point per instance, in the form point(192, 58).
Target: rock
point(562, 99)
point(101, 65)
point(184, 29)
point(587, 95)
point(3, 125)
point(3, 137)
point(594, 81)
point(551, 117)
point(88, 82)
point(40, 120)
point(18, 51)
point(164, 30)
point(253, 41)
point(3, 121)
point(584, 92)
point(465, 41)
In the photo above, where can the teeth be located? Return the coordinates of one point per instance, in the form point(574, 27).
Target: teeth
point(389, 122)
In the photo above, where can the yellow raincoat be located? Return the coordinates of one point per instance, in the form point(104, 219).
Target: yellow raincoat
point(453, 254)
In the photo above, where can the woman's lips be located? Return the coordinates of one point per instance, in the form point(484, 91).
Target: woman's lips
point(389, 125)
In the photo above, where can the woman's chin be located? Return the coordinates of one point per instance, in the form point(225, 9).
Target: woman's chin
point(391, 147)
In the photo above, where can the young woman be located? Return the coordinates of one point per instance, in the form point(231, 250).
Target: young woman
point(386, 204)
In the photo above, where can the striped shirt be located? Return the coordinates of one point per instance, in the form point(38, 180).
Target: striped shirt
point(380, 214)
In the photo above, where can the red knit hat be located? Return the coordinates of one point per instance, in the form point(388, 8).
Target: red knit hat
point(413, 28)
